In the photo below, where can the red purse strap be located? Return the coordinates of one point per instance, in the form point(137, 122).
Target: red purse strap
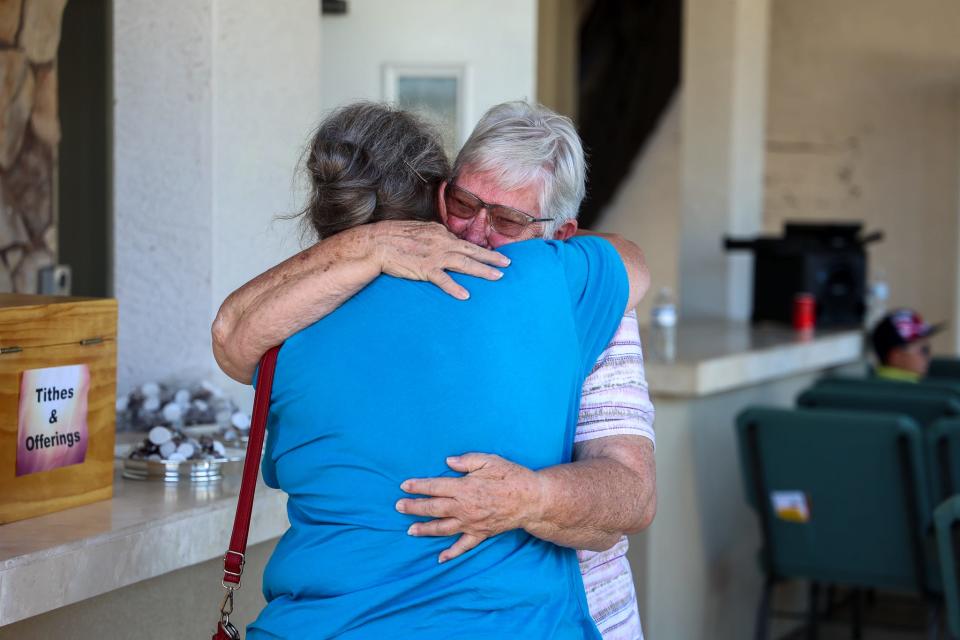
point(235, 557)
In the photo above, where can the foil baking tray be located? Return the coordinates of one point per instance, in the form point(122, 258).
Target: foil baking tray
point(197, 471)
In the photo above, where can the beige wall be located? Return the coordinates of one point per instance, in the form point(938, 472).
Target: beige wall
point(863, 124)
point(646, 209)
point(558, 55)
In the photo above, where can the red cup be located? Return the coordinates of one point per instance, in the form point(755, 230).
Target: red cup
point(804, 312)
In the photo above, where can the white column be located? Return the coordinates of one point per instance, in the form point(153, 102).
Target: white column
point(162, 187)
point(722, 151)
point(267, 103)
point(214, 102)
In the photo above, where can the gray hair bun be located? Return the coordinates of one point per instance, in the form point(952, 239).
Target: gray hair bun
point(369, 162)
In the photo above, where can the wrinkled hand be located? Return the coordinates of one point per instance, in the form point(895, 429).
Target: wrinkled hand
point(427, 250)
point(494, 496)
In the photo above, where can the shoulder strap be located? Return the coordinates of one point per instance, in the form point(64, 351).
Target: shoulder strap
point(235, 557)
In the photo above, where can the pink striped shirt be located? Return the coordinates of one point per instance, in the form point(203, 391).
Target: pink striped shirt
point(615, 401)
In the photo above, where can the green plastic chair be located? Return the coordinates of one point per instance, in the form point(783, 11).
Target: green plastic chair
point(881, 385)
point(944, 368)
point(928, 407)
point(925, 406)
point(943, 458)
point(947, 523)
point(862, 478)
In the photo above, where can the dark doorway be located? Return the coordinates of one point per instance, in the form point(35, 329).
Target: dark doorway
point(83, 184)
point(629, 71)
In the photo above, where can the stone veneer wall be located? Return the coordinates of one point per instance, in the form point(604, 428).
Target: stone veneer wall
point(29, 134)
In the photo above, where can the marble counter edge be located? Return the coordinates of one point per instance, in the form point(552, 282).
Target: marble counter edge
point(263, 492)
point(756, 366)
point(46, 580)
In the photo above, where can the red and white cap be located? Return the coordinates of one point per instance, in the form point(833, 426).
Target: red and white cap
point(899, 328)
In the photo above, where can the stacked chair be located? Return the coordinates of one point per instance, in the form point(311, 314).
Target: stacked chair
point(943, 458)
point(934, 407)
point(925, 407)
point(880, 385)
point(845, 487)
point(944, 452)
point(945, 368)
point(860, 479)
point(947, 521)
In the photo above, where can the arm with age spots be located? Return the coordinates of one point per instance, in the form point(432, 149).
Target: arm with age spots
point(607, 492)
point(308, 286)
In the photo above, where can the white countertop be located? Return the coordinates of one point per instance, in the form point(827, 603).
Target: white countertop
point(715, 355)
point(146, 530)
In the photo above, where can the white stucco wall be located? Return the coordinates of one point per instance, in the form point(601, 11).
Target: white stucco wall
point(163, 196)
point(496, 39)
point(213, 102)
point(267, 101)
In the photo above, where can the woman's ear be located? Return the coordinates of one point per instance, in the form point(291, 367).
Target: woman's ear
point(442, 202)
point(566, 230)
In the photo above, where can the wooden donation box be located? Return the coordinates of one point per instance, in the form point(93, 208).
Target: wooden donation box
point(58, 376)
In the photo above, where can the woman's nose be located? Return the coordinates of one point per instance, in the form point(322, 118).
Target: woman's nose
point(479, 229)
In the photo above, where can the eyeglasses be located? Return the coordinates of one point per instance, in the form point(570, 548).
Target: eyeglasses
point(504, 220)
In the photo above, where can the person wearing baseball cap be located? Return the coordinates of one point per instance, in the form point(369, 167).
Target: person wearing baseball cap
point(901, 341)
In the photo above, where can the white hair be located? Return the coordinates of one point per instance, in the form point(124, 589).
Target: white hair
point(522, 144)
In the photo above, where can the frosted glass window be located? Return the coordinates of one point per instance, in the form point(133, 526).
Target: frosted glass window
point(434, 98)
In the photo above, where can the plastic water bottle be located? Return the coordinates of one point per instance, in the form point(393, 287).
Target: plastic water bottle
point(878, 292)
point(663, 326)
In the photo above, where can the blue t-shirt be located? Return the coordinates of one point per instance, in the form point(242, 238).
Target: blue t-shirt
point(384, 389)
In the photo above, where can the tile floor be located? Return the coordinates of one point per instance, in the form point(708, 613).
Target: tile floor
point(887, 617)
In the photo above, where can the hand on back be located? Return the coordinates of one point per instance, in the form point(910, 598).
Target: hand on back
point(426, 251)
